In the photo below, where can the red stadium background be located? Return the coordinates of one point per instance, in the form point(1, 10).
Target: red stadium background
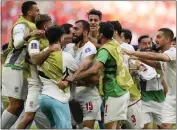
point(141, 17)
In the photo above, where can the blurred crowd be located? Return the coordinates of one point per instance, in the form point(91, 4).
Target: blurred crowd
point(139, 16)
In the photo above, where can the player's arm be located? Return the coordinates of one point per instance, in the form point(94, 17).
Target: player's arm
point(92, 71)
point(154, 64)
point(149, 55)
point(165, 87)
point(21, 34)
point(38, 57)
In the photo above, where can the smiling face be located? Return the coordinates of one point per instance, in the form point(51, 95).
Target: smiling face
point(145, 44)
point(34, 11)
point(160, 40)
point(78, 31)
point(94, 22)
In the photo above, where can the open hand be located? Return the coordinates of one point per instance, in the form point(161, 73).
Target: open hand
point(63, 84)
point(70, 78)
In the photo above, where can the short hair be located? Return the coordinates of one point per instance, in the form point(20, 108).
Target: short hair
point(117, 27)
point(167, 32)
point(127, 34)
point(142, 37)
point(85, 24)
point(95, 12)
point(66, 27)
point(54, 34)
point(41, 19)
point(26, 6)
point(107, 29)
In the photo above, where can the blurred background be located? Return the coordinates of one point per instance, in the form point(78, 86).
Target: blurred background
point(141, 17)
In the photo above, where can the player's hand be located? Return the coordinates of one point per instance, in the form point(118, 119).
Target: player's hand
point(55, 47)
point(63, 84)
point(70, 78)
point(37, 33)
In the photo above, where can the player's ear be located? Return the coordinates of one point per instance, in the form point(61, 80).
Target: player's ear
point(85, 33)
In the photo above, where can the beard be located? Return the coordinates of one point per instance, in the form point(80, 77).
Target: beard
point(77, 39)
point(155, 48)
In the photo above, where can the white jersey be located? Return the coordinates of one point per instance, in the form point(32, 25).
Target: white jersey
point(68, 47)
point(51, 89)
point(169, 70)
point(33, 48)
point(87, 50)
point(15, 57)
point(127, 47)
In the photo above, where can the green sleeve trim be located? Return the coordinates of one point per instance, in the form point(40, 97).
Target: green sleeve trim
point(14, 66)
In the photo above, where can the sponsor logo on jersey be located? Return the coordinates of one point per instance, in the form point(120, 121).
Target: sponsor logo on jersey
point(87, 50)
point(33, 45)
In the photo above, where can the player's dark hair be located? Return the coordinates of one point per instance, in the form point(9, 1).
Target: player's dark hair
point(168, 33)
point(142, 37)
point(26, 6)
point(107, 29)
point(85, 24)
point(54, 34)
point(95, 12)
point(127, 34)
point(66, 27)
point(117, 27)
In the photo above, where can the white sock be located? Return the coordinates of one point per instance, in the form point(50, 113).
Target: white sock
point(8, 119)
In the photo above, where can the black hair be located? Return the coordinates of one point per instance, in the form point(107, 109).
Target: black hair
point(174, 39)
point(95, 12)
point(66, 27)
point(117, 27)
point(142, 37)
point(26, 6)
point(54, 34)
point(107, 29)
point(127, 34)
point(85, 24)
point(167, 32)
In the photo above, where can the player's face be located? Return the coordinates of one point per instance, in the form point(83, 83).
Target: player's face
point(160, 40)
point(145, 44)
point(34, 11)
point(78, 32)
point(94, 22)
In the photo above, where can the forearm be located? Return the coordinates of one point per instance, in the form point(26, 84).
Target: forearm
point(145, 55)
point(39, 58)
point(86, 74)
point(154, 64)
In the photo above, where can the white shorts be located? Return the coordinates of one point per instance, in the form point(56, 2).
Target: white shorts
point(116, 108)
point(31, 104)
point(91, 109)
point(134, 115)
point(152, 112)
point(14, 83)
point(169, 111)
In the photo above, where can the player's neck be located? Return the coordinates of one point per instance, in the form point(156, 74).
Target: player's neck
point(117, 38)
point(166, 47)
point(83, 42)
point(93, 34)
point(28, 18)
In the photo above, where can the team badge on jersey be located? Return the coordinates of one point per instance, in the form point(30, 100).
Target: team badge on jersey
point(87, 50)
point(33, 45)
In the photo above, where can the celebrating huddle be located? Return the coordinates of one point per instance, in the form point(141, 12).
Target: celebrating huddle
point(71, 76)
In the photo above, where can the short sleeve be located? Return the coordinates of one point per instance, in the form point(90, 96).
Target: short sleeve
point(102, 56)
point(33, 47)
point(171, 53)
point(89, 49)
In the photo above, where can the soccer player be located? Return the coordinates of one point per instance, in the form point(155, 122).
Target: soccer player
point(134, 115)
point(94, 19)
point(126, 36)
point(115, 85)
point(43, 22)
point(151, 88)
point(54, 100)
point(166, 61)
point(84, 52)
point(22, 30)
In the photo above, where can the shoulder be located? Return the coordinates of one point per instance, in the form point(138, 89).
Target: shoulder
point(20, 26)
